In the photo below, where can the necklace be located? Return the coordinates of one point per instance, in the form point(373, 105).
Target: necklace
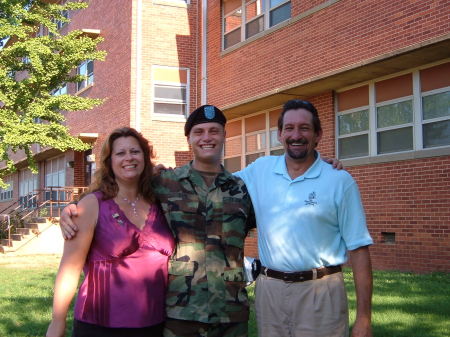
point(133, 204)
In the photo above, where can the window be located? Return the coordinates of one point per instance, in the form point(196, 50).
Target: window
point(65, 14)
point(276, 148)
point(170, 91)
point(233, 146)
point(404, 113)
point(280, 10)
point(251, 137)
point(233, 149)
point(86, 69)
point(28, 183)
point(60, 91)
point(243, 19)
point(353, 133)
point(55, 176)
point(255, 146)
point(394, 126)
point(436, 118)
point(7, 193)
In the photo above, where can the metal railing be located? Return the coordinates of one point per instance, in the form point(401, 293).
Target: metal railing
point(46, 202)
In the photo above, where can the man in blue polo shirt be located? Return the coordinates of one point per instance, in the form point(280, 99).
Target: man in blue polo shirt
point(309, 216)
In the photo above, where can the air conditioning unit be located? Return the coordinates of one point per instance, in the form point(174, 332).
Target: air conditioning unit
point(90, 158)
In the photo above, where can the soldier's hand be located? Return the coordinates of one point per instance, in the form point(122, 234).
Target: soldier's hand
point(158, 168)
point(68, 228)
point(334, 162)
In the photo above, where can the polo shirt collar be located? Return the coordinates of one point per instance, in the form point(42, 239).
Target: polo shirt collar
point(312, 172)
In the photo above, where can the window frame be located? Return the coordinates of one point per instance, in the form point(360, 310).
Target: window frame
point(89, 77)
point(266, 10)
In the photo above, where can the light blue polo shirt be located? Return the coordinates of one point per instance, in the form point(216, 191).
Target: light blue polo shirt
point(307, 222)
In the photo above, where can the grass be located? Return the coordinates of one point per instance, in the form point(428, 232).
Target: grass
point(404, 304)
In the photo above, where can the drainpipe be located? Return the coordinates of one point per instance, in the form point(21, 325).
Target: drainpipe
point(137, 114)
point(204, 53)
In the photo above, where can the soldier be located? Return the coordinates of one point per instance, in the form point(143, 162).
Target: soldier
point(209, 212)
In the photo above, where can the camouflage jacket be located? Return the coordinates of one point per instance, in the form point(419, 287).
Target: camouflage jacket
point(206, 278)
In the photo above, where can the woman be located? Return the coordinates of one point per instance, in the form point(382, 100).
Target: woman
point(124, 244)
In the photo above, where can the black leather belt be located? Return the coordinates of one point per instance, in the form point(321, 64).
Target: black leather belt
point(301, 276)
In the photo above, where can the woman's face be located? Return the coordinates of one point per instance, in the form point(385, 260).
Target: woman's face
point(127, 159)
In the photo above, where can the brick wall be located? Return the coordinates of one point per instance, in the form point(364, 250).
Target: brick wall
point(169, 38)
point(111, 77)
point(411, 199)
point(345, 33)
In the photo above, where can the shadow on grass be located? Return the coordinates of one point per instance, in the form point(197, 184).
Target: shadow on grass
point(26, 302)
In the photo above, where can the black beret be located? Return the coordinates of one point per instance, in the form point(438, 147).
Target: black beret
point(204, 114)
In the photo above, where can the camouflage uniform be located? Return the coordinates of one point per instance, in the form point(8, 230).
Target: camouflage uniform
point(206, 281)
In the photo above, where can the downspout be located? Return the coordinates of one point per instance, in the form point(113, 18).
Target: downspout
point(137, 114)
point(204, 53)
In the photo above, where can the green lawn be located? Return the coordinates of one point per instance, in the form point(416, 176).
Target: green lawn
point(404, 305)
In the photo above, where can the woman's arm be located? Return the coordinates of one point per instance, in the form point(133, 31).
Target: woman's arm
point(72, 262)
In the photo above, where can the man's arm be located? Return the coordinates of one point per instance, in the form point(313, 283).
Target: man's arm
point(362, 276)
point(68, 228)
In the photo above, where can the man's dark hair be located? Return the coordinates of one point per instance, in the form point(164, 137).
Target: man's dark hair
point(295, 104)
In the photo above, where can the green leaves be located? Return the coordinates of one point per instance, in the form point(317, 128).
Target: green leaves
point(32, 66)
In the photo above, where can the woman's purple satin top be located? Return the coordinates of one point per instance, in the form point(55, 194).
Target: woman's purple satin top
point(126, 270)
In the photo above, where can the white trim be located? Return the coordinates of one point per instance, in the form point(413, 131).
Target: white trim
point(352, 110)
point(417, 111)
point(372, 140)
point(435, 91)
point(394, 101)
point(173, 3)
point(354, 134)
point(204, 55)
point(243, 143)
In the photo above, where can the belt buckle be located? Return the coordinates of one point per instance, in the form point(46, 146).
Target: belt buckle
point(286, 278)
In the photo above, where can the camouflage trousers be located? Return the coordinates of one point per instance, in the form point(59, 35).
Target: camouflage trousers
point(182, 328)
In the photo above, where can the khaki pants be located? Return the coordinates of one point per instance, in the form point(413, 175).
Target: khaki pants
point(316, 308)
point(181, 328)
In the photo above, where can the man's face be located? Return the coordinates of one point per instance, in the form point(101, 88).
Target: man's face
point(207, 141)
point(298, 136)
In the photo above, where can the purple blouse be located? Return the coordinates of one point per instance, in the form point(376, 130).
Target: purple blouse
point(126, 270)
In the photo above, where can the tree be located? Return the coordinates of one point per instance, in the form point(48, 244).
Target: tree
point(29, 113)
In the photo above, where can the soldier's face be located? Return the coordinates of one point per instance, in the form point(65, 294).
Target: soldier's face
point(207, 141)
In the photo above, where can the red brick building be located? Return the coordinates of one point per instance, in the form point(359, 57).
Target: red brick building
point(378, 72)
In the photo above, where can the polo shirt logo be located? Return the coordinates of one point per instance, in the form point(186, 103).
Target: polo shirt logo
point(311, 199)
